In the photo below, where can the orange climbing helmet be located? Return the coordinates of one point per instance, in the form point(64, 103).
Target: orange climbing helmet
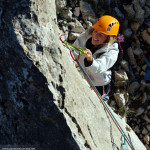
point(107, 25)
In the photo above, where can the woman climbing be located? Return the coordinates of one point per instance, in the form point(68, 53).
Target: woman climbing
point(102, 52)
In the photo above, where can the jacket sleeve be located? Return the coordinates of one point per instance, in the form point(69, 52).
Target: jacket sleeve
point(105, 61)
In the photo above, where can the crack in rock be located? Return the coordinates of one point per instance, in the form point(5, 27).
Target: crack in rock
point(79, 129)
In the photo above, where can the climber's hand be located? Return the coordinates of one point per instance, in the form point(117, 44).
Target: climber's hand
point(88, 56)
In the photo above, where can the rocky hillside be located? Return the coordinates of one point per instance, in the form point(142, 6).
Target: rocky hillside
point(45, 103)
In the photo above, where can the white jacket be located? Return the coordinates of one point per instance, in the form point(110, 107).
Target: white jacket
point(99, 70)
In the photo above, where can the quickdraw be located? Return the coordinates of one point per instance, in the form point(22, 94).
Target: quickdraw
point(97, 93)
point(80, 49)
point(123, 143)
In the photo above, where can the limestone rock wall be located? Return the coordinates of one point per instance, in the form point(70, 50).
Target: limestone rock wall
point(45, 103)
point(130, 93)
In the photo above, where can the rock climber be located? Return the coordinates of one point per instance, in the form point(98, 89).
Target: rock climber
point(102, 51)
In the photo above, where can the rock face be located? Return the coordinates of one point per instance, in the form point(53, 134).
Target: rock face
point(130, 93)
point(45, 103)
point(29, 117)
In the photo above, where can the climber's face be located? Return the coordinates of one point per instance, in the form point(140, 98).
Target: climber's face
point(98, 38)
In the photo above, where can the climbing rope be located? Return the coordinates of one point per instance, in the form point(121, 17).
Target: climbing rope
point(105, 105)
point(81, 51)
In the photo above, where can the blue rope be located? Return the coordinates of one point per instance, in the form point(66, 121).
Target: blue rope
point(104, 103)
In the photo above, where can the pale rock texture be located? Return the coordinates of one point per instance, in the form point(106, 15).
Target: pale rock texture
point(45, 102)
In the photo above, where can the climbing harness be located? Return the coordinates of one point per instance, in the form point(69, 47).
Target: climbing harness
point(96, 91)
